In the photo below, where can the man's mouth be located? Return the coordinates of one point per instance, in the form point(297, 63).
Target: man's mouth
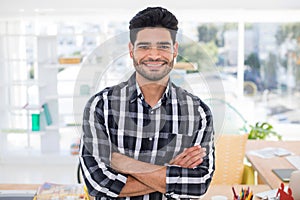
point(154, 64)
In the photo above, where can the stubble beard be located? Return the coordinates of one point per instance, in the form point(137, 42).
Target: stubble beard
point(153, 76)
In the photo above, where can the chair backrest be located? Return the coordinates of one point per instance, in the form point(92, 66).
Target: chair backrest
point(295, 184)
point(229, 152)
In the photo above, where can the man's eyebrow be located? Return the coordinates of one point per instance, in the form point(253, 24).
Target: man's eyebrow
point(143, 43)
point(147, 43)
point(169, 43)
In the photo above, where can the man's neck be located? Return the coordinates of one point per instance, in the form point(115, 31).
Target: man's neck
point(153, 91)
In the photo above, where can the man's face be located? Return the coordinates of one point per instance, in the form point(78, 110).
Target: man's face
point(153, 53)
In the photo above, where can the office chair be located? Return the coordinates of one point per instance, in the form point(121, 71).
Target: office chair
point(294, 184)
point(79, 174)
point(230, 152)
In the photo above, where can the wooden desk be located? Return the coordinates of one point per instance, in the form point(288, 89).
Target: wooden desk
point(264, 166)
point(19, 186)
point(226, 190)
point(213, 190)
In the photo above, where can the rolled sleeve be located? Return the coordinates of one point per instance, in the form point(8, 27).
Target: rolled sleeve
point(187, 183)
point(100, 179)
point(192, 183)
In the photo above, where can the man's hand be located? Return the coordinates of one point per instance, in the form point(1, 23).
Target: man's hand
point(190, 157)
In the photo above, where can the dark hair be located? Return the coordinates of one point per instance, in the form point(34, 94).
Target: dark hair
point(153, 17)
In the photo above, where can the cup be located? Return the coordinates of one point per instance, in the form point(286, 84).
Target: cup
point(219, 197)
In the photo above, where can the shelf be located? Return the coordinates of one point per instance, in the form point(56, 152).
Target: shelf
point(14, 108)
point(58, 65)
point(17, 60)
point(33, 107)
point(69, 65)
point(36, 132)
point(51, 97)
point(13, 131)
point(25, 82)
point(52, 128)
point(21, 131)
point(49, 65)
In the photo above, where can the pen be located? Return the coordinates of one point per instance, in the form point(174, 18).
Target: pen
point(247, 193)
point(234, 193)
point(241, 194)
point(249, 196)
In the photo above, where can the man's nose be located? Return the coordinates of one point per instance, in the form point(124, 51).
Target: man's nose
point(154, 53)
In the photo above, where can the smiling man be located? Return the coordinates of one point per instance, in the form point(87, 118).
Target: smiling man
point(147, 138)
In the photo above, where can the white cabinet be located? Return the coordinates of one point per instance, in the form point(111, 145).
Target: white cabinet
point(48, 98)
point(28, 80)
point(31, 76)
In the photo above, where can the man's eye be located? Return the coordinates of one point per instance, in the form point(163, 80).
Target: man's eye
point(164, 47)
point(144, 47)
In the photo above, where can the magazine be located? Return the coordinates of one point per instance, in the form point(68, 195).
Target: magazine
point(51, 191)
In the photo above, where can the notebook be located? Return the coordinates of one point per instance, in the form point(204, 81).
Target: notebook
point(267, 194)
point(284, 174)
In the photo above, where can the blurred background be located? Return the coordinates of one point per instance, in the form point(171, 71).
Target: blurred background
point(253, 49)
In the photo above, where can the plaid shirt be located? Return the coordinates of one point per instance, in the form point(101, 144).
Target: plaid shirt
point(118, 119)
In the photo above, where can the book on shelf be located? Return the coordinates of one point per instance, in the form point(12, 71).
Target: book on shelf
point(48, 191)
point(47, 114)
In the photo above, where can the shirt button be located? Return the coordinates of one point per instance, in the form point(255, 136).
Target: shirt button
point(150, 138)
point(151, 111)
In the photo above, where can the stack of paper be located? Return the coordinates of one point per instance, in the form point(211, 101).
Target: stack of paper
point(294, 160)
point(270, 152)
point(269, 194)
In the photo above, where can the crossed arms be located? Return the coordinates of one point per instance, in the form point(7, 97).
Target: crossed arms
point(127, 177)
point(144, 178)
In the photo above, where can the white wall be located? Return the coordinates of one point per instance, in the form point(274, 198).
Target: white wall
point(32, 7)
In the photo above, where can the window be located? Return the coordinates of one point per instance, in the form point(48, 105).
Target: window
point(256, 58)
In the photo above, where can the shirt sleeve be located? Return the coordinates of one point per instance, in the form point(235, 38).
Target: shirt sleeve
point(193, 183)
point(95, 150)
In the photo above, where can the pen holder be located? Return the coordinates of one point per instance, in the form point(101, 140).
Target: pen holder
point(245, 194)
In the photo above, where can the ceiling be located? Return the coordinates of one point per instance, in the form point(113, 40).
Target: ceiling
point(11, 8)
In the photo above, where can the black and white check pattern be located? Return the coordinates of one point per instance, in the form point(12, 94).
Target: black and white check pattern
point(119, 119)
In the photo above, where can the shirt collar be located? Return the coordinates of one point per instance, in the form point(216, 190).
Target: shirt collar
point(136, 92)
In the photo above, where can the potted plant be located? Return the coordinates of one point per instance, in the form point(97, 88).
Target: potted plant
point(262, 130)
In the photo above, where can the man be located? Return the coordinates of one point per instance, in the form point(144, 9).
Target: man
point(146, 138)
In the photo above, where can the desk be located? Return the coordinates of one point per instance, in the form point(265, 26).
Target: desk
point(226, 190)
point(213, 190)
point(19, 186)
point(264, 166)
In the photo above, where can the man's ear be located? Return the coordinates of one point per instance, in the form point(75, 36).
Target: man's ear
point(130, 47)
point(175, 53)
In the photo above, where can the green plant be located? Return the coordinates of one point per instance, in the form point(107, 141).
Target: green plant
point(262, 130)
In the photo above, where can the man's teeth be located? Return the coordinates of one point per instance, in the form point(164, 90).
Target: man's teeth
point(154, 65)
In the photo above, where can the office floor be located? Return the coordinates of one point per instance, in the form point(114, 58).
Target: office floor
point(38, 171)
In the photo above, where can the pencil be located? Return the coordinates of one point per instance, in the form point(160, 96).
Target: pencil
point(234, 193)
